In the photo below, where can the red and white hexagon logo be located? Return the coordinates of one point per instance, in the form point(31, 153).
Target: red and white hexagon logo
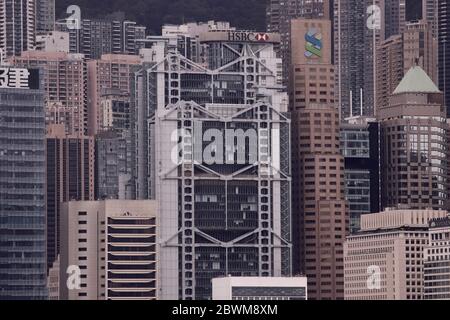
point(262, 37)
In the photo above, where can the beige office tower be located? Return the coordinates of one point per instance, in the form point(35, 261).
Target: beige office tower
point(320, 212)
point(397, 54)
point(430, 14)
point(112, 71)
point(65, 86)
point(414, 144)
point(384, 260)
point(279, 15)
point(437, 261)
point(109, 250)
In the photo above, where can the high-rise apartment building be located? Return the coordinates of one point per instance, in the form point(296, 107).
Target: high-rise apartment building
point(385, 259)
point(414, 144)
point(17, 26)
point(65, 84)
point(320, 212)
point(397, 54)
point(111, 72)
point(279, 16)
point(45, 16)
point(436, 268)
point(96, 37)
point(360, 146)
point(226, 206)
point(70, 177)
point(112, 247)
point(22, 185)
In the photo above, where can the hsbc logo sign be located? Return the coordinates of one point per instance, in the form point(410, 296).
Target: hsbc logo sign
point(248, 36)
point(262, 37)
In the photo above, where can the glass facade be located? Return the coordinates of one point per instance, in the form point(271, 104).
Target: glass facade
point(233, 215)
point(357, 192)
point(22, 195)
point(360, 147)
point(415, 155)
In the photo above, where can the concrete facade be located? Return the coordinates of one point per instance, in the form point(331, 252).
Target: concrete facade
point(113, 246)
point(384, 260)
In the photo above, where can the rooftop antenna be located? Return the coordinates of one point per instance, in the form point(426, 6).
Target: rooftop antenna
point(361, 98)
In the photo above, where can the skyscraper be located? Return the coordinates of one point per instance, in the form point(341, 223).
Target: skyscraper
point(394, 17)
point(65, 84)
point(45, 16)
point(17, 26)
point(360, 146)
point(320, 211)
point(22, 185)
point(226, 206)
point(279, 16)
point(70, 177)
point(397, 54)
point(414, 144)
point(430, 15)
point(114, 245)
point(354, 54)
point(110, 72)
point(443, 12)
point(97, 37)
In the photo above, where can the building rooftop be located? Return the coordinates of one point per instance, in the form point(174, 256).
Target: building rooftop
point(416, 80)
point(440, 222)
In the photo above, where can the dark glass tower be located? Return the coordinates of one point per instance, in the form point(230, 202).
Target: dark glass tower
point(23, 273)
point(360, 145)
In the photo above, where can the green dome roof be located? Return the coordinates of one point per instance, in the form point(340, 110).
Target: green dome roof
point(416, 80)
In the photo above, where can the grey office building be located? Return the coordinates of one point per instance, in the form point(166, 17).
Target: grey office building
point(23, 273)
point(356, 38)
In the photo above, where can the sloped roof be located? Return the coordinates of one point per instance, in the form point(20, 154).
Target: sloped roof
point(416, 80)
